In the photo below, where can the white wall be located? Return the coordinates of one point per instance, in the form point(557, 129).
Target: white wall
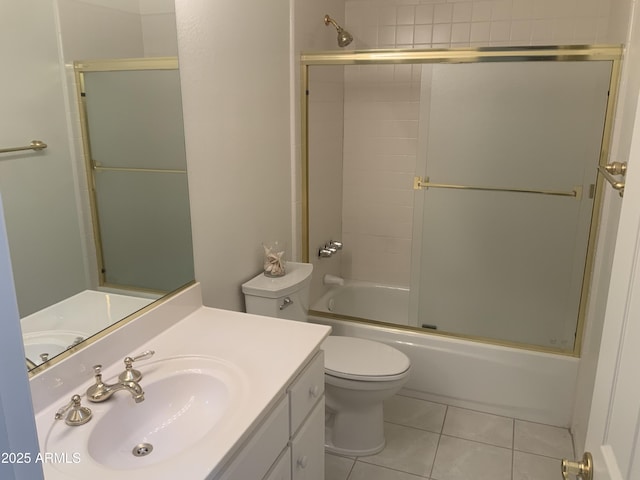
point(234, 70)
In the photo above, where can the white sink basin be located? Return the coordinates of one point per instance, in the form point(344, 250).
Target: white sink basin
point(49, 342)
point(187, 399)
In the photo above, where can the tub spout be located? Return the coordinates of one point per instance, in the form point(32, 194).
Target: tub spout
point(329, 279)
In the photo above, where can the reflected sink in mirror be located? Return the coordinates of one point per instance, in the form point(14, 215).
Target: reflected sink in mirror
point(54, 329)
point(40, 346)
point(189, 402)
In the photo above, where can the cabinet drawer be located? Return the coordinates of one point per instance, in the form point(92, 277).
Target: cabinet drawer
point(306, 390)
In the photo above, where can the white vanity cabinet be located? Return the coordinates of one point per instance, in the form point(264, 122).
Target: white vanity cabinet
point(289, 443)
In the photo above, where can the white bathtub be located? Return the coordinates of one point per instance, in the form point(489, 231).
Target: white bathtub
point(524, 384)
point(367, 300)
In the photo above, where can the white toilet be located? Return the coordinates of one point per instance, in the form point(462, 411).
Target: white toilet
point(359, 374)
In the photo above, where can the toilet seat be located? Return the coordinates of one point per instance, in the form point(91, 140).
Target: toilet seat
point(365, 360)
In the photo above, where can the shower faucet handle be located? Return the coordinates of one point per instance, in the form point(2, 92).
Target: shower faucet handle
point(335, 244)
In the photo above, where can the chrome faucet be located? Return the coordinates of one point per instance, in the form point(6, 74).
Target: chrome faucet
point(100, 391)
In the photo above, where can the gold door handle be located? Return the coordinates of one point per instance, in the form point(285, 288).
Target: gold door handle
point(582, 470)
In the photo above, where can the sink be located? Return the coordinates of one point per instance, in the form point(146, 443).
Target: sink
point(50, 342)
point(187, 399)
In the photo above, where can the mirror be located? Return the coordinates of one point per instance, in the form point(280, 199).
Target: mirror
point(96, 239)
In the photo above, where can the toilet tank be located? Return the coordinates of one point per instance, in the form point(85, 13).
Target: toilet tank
point(281, 297)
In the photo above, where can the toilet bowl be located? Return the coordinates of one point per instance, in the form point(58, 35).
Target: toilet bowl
point(359, 374)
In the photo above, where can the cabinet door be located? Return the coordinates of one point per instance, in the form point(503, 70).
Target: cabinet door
point(256, 457)
point(307, 447)
point(282, 468)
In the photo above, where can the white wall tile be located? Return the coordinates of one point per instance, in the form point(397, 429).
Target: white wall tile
point(443, 13)
point(481, 11)
point(462, 11)
point(406, 15)
point(424, 14)
point(442, 33)
point(460, 33)
point(480, 32)
point(404, 35)
point(500, 31)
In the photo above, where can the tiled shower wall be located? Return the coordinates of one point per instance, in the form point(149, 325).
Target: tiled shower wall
point(382, 105)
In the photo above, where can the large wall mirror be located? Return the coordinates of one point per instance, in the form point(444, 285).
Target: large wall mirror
point(98, 222)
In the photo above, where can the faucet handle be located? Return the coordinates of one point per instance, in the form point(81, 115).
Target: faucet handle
point(78, 415)
point(97, 372)
point(335, 244)
point(130, 374)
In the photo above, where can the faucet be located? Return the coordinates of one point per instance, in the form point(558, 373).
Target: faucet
point(100, 391)
point(76, 414)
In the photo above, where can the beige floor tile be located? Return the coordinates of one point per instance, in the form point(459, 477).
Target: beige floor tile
point(413, 412)
point(336, 467)
point(365, 471)
point(408, 449)
point(459, 459)
point(527, 466)
point(478, 426)
point(542, 439)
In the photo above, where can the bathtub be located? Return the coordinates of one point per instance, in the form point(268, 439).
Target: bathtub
point(525, 384)
point(383, 303)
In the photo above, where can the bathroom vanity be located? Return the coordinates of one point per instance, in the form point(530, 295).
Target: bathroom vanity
point(228, 396)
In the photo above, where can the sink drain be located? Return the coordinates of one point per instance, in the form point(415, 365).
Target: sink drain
point(142, 450)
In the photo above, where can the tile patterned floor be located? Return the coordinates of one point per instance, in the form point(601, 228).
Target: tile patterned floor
point(428, 440)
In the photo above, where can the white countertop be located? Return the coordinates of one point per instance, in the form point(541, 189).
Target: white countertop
point(268, 351)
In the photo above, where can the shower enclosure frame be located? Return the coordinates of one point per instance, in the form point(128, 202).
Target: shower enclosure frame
point(612, 53)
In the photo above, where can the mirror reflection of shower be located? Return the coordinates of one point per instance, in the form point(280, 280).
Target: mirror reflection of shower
point(344, 37)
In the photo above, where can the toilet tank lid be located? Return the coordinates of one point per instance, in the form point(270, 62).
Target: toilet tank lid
point(273, 287)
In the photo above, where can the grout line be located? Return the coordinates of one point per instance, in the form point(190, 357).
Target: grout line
point(393, 469)
point(513, 444)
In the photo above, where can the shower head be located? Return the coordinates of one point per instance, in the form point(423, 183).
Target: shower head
point(344, 37)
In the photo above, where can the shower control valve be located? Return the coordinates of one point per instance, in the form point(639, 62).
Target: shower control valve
point(329, 249)
point(336, 245)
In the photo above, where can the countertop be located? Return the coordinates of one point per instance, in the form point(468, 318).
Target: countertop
point(269, 352)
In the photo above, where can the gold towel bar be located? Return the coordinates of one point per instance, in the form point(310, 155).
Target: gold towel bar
point(420, 183)
point(99, 168)
point(34, 145)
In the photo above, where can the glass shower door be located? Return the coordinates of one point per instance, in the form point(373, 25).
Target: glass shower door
point(508, 154)
point(136, 137)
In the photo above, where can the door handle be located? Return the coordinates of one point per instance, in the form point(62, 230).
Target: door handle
point(582, 470)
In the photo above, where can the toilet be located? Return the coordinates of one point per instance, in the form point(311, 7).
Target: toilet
point(359, 374)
